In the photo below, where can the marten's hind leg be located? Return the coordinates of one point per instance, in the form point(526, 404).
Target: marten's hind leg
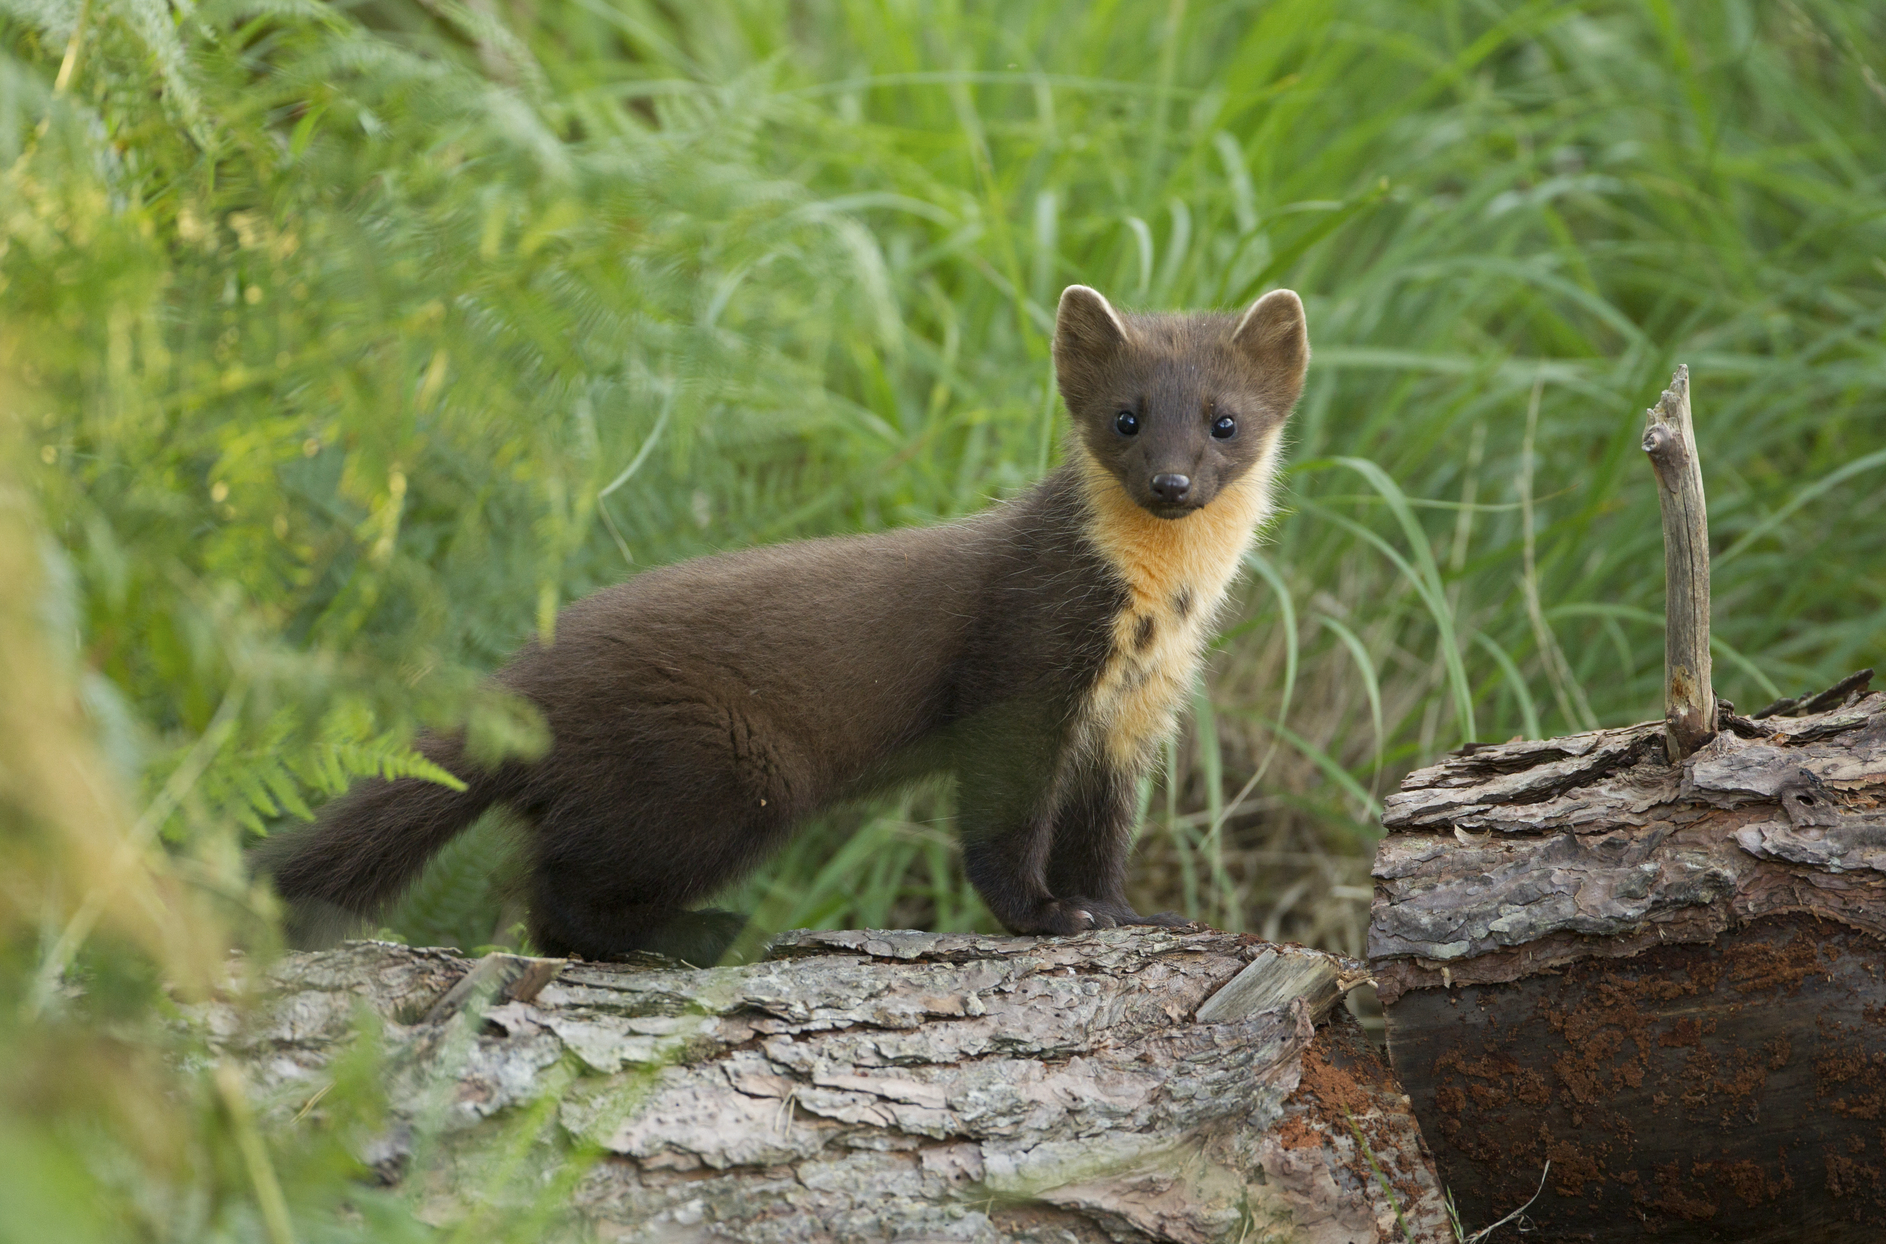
point(636, 826)
point(572, 919)
point(606, 888)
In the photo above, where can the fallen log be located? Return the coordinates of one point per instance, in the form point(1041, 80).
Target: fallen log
point(1651, 956)
point(1124, 1085)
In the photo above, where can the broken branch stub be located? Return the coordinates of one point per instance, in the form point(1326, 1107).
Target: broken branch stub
point(1689, 698)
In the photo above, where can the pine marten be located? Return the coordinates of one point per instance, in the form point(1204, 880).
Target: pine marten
point(1039, 651)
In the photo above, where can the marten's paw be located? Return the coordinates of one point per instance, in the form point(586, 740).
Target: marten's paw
point(1077, 914)
point(1112, 915)
point(1063, 916)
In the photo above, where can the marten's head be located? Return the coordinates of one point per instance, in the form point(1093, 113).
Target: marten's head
point(1179, 407)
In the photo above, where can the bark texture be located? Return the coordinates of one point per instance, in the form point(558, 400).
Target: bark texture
point(1506, 860)
point(1125, 1085)
point(1663, 979)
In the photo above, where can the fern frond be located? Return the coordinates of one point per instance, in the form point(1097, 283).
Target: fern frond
point(457, 901)
point(276, 773)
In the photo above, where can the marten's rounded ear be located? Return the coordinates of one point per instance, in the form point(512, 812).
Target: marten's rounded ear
point(1086, 324)
point(1088, 332)
point(1275, 338)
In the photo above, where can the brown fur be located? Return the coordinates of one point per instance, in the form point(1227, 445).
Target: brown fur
point(1038, 651)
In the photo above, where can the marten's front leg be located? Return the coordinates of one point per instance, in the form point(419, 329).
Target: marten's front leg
point(1005, 813)
point(1045, 838)
point(1092, 843)
point(1007, 830)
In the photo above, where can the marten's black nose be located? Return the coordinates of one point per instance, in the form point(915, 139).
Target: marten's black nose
point(1171, 487)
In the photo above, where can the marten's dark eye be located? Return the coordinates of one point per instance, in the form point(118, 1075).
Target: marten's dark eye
point(1224, 427)
point(1126, 423)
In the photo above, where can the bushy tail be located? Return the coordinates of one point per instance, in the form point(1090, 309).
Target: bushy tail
point(367, 846)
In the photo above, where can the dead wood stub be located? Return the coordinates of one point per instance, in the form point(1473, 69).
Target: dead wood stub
point(1689, 697)
point(1665, 979)
point(876, 1085)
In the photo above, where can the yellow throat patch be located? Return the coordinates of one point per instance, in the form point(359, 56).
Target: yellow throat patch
point(1176, 573)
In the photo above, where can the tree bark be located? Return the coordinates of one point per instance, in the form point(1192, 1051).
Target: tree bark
point(1664, 980)
point(1127, 1085)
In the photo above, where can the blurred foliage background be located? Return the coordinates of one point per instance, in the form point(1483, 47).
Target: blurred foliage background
point(341, 344)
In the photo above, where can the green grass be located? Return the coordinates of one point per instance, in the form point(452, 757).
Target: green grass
point(348, 342)
point(359, 341)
